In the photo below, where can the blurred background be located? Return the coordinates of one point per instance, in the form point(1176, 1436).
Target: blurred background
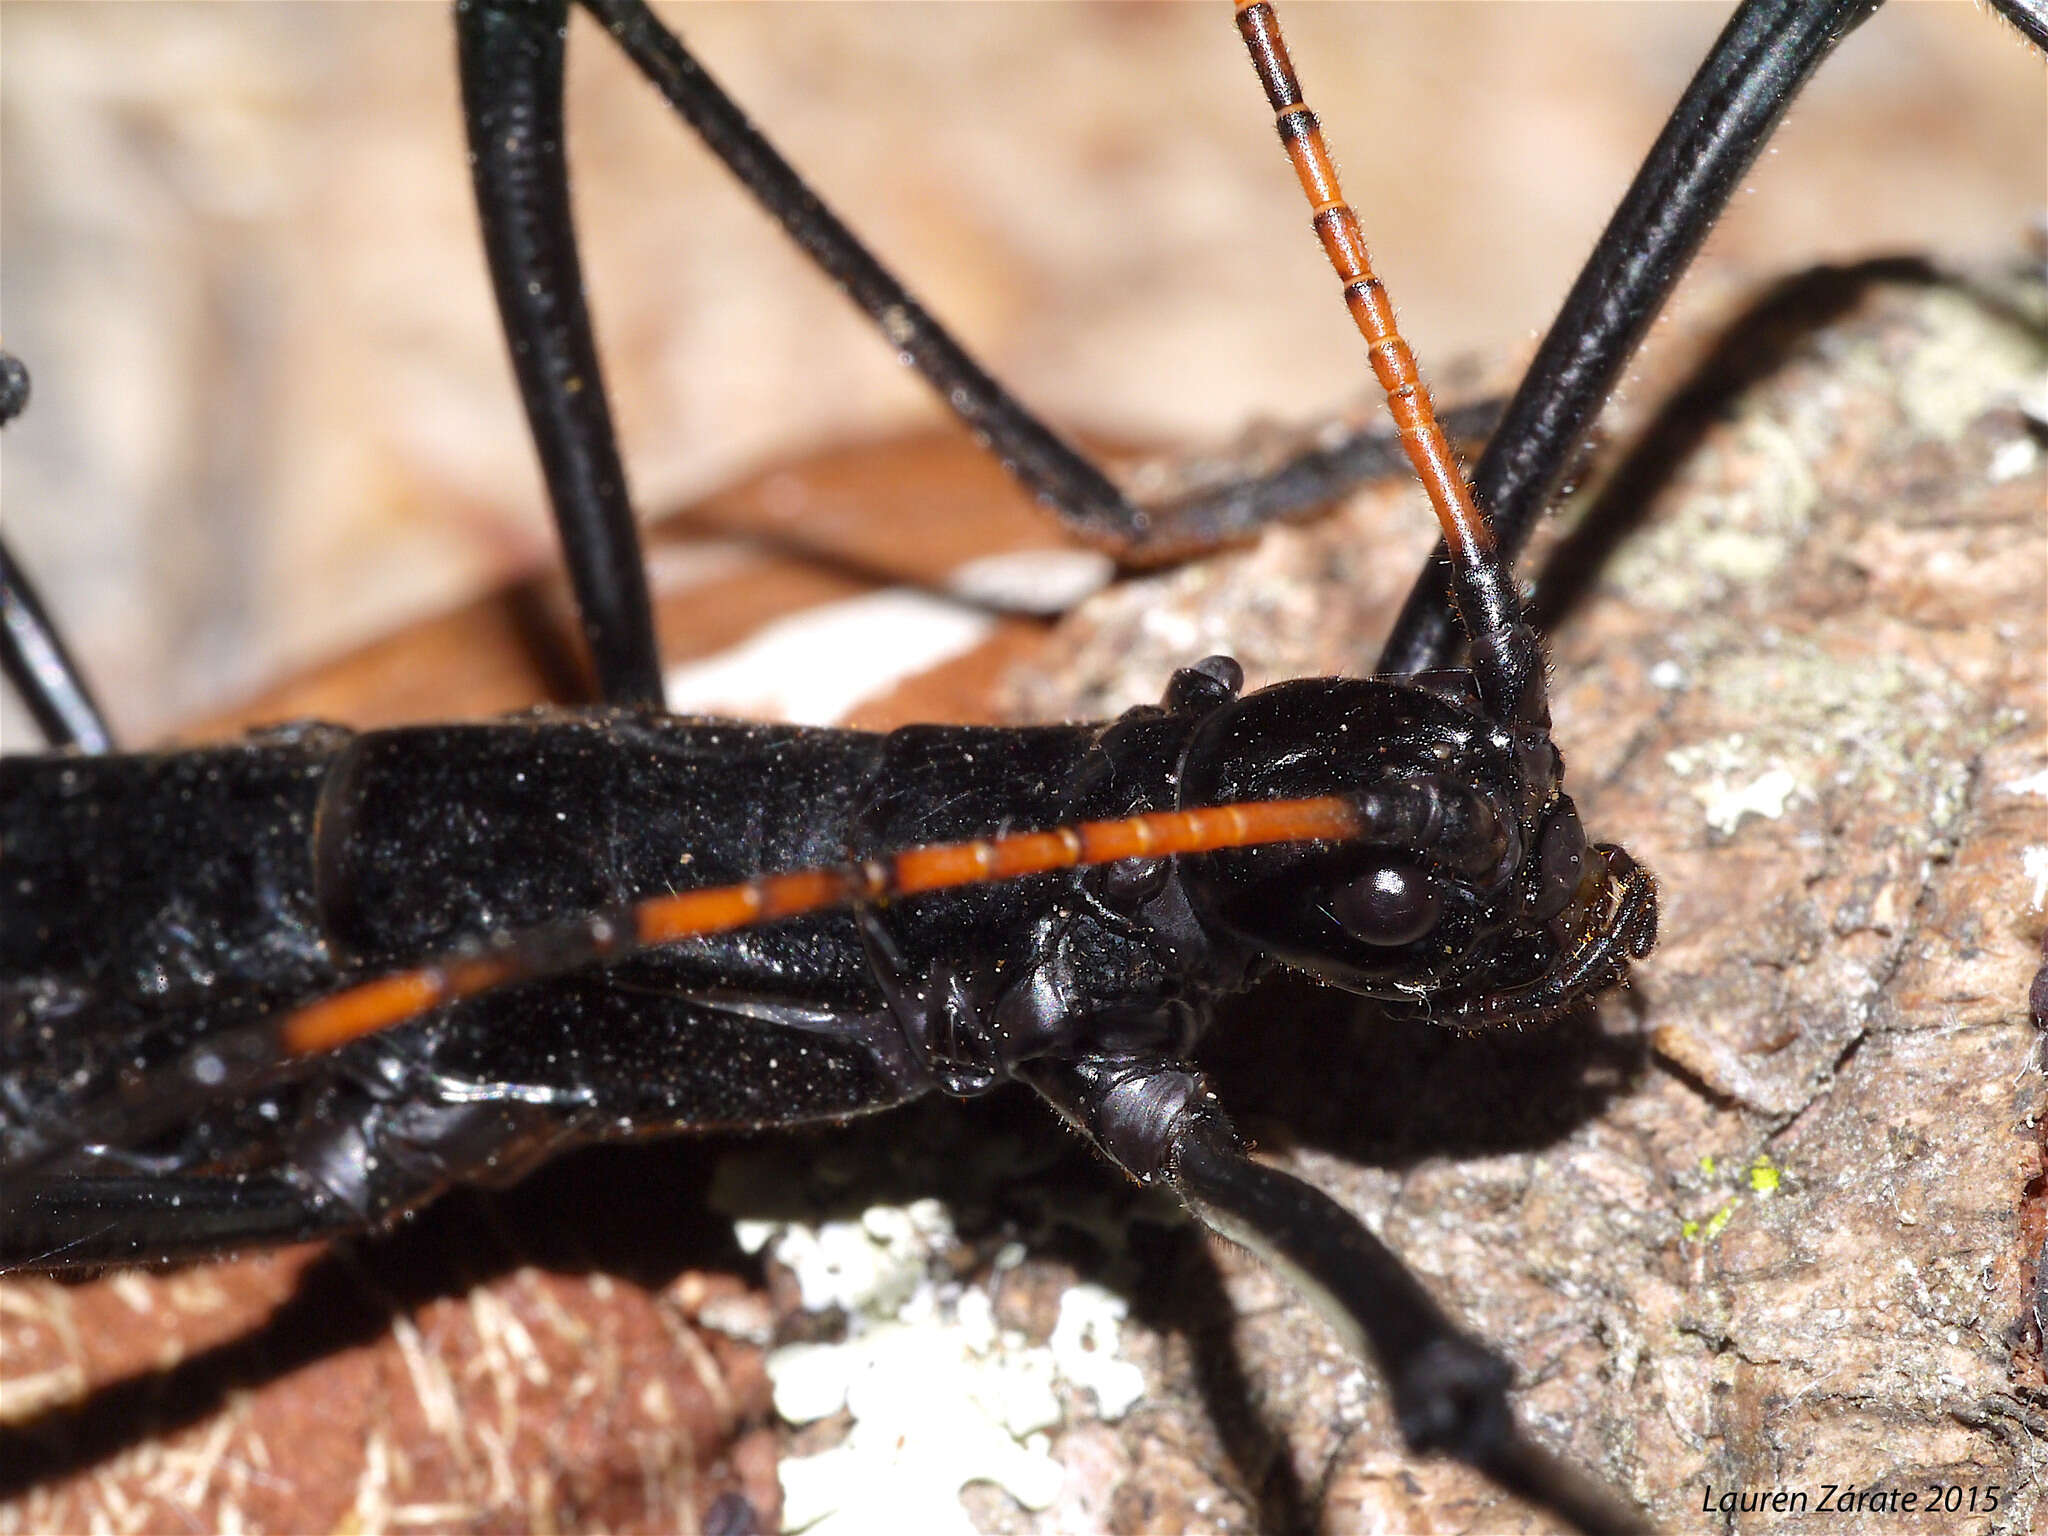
point(272, 416)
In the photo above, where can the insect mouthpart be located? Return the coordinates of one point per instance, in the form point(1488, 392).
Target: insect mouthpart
point(1608, 920)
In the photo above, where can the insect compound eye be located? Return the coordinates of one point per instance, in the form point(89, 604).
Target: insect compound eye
point(1560, 860)
point(1394, 904)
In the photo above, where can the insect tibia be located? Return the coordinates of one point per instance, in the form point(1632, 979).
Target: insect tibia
point(1449, 1390)
point(1159, 1122)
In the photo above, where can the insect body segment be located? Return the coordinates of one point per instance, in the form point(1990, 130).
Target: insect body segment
point(1378, 834)
point(1387, 906)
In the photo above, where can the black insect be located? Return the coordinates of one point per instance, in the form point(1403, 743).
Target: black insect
point(1467, 892)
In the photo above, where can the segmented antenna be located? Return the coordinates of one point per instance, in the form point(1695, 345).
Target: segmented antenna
point(1508, 668)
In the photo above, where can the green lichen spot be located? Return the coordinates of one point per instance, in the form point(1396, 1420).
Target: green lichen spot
point(1711, 1228)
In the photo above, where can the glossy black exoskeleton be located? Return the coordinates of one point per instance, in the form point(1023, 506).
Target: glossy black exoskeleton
point(157, 903)
point(286, 866)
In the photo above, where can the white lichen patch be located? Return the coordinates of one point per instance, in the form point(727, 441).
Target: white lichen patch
point(939, 1396)
point(2032, 784)
point(1878, 728)
point(2013, 458)
point(868, 1268)
point(936, 1404)
point(1735, 530)
point(1970, 363)
point(1084, 1344)
point(1765, 796)
point(1730, 786)
point(2034, 862)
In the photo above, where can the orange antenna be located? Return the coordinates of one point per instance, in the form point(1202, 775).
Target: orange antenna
point(1483, 593)
point(556, 948)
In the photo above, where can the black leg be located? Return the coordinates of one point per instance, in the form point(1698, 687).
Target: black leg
point(511, 55)
point(1449, 1390)
point(1035, 454)
point(1160, 1124)
point(33, 656)
point(1312, 479)
point(334, 1160)
point(1727, 114)
point(2030, 16)
point(75, 1223)
point(1050, 468)
point(32, 651)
